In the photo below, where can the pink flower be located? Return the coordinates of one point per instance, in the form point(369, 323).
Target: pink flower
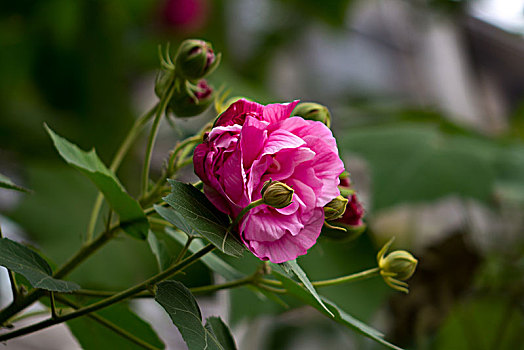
point(251, 144)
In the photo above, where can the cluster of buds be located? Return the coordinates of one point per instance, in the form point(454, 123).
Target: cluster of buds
point(344, 214)
point(396, 267)
point(184, 78)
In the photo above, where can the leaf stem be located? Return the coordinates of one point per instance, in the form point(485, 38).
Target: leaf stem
point(334, 281)
point(53, 306)
point(184, 250)
point(152, 136)
point(111, 300)
point(115, 164)
point(244, 211)
point(110, 325)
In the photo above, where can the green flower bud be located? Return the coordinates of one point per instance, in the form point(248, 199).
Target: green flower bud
point(195, 59)
point(189, 100)
point(396, 267)
point(335, 209)
point(277, 194)
point(313, 111)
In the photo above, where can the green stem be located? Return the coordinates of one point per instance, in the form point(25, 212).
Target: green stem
point(53, 307)
point(111, 300)
point(115, 164)
point(334, 281)
point(244, 212)
point(184, 250)
point(110, 325)
point(152, 137)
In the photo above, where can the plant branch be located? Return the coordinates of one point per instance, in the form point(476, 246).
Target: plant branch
point(115, 164)
point(152, 136)
point(108, 324)
point(111, 300)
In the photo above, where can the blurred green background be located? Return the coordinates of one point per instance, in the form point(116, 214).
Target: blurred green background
point(427, 98)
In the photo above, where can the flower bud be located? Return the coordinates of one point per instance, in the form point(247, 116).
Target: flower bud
point(191, 100)
point(277, 194)
point(313, 111)
point(335, 209)
point(195, 59)
point(396, 267)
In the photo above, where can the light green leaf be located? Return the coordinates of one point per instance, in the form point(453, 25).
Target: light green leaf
point(132, 217)
point(293, 266)
point(32, 266)
point(335, 313)
point(183, 309)
point(5, 182)
point(159, 250)
point(202, 217)
point(216, 326)
point(416, 163)
point(93, 336)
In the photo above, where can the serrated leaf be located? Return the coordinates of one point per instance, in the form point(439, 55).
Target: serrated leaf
point(174, 218)
point(93, 336)
point(293, 266)
point(5, 182)
point(216, 326)
point(132, 217)
point(159, 250)
point(32, 266)
point(202, 217)
point(335, 314)
point(183, 309)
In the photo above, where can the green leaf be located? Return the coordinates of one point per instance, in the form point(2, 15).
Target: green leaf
point(159, 250)
point(415, 163)
point(216, 326)
point(5, 182)
point(202, 217)
point(94, 336)
point(183, 309)
point(335, 313)
point(174, 218)
point(293, 266)
point(132, 218)
point(32, 266)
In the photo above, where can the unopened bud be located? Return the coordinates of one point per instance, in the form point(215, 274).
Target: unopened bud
point(335, 209)
point(313, 111)
point(195, 59)
point(277, 194)
point(191, 100)
point(396, 267)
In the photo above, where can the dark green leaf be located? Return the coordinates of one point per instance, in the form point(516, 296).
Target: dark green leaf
point(202, 217)
point(132, 218)
point(5, 182)
point(159, 250)
point(216, 326)
point(183, 309)
point(293, 266)
point(94, 336)
point(32, 266)
point(174, 218)
point(335, 314)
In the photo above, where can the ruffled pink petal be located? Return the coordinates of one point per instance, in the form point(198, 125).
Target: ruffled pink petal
point(289, 247)
point(237, 112)
point(266, 225)
point(278, 111)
